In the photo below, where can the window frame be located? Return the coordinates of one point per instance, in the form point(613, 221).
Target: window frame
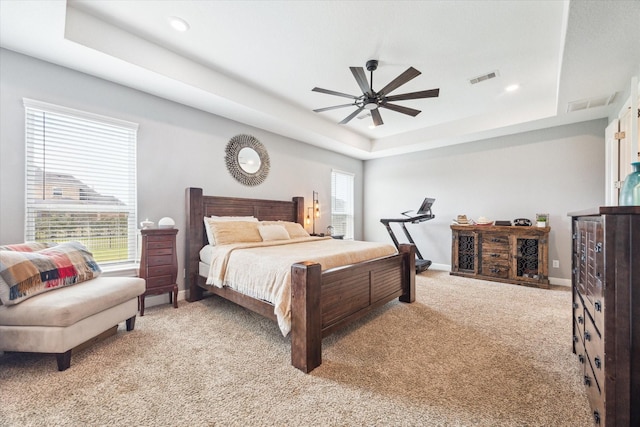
point(347, 210)
point(91, 205)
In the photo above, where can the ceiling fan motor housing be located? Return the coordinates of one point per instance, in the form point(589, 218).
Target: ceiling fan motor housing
point(372, 65)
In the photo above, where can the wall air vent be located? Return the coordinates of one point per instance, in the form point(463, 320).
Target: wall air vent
point(484, 77)
point(583, 104)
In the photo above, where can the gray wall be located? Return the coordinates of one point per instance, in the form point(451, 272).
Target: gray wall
point(556, 171)
point(178, 147)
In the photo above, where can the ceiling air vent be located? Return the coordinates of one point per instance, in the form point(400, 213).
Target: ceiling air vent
point(583, 104)
point(484, 77)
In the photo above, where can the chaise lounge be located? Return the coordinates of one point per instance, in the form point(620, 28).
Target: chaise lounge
point(58, 319)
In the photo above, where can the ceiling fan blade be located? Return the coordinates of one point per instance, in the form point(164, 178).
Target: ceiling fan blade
point(401, 109)
point(333, 92)
point(431, 93)
point(319, 110)
point(377, 118)
point(361, 78)
point(409, 74)
point(351, 116)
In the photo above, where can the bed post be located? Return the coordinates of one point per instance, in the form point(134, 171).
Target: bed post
point(306, 316)
point(299, 208)
point(408, 252)
point(195, 230)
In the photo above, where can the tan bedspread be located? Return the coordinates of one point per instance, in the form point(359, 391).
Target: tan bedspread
point(263, 270)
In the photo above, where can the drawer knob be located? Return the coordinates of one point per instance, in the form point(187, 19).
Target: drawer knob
point(575, 338)
point(580, 320)
point(581, 358)
point(587, 336)
point(597, 362)
point(598, 247)
point(598, 305)
point(494, 255)
point(575, 305)
point(587, 381)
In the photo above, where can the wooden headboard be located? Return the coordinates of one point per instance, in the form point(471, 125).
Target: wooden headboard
point(198, 206)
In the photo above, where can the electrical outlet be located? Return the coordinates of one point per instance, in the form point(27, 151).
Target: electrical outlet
point(556, 263)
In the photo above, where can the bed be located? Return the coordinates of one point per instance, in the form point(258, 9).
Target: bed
point(321, 301)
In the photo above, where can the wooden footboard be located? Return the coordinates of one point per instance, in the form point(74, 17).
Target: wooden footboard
point(322, 303)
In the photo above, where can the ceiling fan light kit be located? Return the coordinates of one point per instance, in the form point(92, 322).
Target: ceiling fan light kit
point(372, 101)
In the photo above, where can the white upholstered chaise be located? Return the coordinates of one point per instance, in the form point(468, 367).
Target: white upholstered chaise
point(61, 319)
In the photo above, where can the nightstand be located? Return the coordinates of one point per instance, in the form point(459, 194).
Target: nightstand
point(159, 264)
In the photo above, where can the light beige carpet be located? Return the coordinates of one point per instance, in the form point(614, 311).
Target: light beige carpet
point(466, 353)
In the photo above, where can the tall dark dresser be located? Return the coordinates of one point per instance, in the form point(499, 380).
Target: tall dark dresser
point(159, 264)
point(606, 311)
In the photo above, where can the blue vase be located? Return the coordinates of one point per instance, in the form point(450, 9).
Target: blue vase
point(630, 191)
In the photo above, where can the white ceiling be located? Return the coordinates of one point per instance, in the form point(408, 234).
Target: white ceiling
point(257, 61)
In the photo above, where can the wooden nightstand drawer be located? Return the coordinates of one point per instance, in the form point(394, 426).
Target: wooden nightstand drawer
point(160, 270)
point(156, 282)
point(160, 251)
point(163, 241)
point(159, 260)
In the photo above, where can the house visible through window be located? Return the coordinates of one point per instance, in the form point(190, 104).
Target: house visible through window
point(81, 180)
point(342, 204)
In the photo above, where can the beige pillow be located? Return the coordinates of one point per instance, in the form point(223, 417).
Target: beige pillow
point(294, 229)
point(273, 232)
point(213, 218)
point(228, 232)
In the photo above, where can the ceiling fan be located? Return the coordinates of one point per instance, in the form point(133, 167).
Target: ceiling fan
point(372, 101)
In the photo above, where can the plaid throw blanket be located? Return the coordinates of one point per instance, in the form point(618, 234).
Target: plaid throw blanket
point(32, 268)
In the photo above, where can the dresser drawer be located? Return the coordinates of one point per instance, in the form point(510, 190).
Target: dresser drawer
point(160, 281)
point(578, 346)
point(496, 269)
point(162, 241)
point(153, 261)
point(595, 396)
point(160, 251)
point(578, 306)
point(160, 270)
point(495, 257)
point(598, 313)
point(594, 347)
point(495, 243)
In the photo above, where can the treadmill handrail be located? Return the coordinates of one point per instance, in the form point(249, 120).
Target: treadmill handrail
point(413, 219)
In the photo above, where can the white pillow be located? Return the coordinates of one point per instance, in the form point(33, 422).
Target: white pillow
point(294, 229)
point(213, 218)
point(273, 232)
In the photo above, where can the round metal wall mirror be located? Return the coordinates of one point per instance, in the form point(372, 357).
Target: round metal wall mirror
point(247, 160)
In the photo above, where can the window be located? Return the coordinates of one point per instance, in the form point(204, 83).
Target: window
point(342, 203)
point(81, 180)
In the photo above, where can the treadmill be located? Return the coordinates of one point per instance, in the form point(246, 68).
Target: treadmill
point(423, 214)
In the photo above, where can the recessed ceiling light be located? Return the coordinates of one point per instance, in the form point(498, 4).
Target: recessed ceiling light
point(179, 24)
point(511, 88)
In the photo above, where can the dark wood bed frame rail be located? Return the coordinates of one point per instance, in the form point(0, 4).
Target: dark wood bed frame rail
point(321, 302)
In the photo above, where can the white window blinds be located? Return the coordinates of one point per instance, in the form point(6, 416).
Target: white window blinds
point(342, 204)
point(81, 180)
